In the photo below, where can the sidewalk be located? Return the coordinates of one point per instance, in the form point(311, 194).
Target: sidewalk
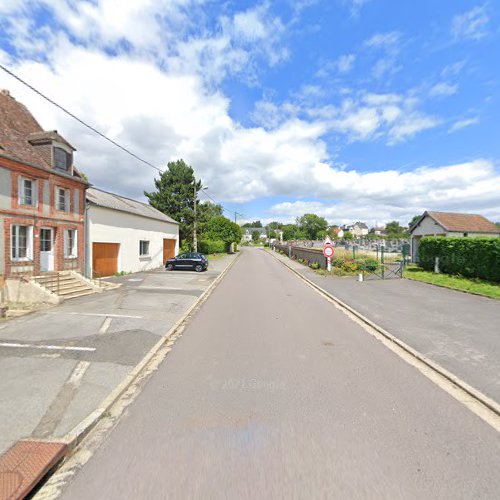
point(58, 365)
point(459, 331)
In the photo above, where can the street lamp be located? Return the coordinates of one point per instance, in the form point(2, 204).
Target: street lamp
point(195, 223)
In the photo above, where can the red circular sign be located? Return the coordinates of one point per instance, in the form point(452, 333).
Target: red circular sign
point(328, 251)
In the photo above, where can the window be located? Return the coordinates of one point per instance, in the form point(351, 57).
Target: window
point(21, 247)
point(62, 200)
point(27, 192)
point(70, 243)
point(143, 248)
point(62, 159)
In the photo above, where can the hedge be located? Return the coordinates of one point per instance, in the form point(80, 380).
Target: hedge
point(212, 246)
point(470, 257)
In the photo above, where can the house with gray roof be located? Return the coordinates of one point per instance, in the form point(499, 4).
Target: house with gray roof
point(126, 235)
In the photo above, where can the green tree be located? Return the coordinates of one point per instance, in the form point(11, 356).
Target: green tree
point(395, 230)
point(348, 236)
point(222, 229)
point(175, 196)
point(413, 220)
point(311, 225)
point(255, 236)
point(275, 225)
point(289, 232)
point(256, 223)
point(205, 212)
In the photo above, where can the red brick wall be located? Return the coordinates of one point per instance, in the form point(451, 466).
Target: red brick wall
point(35, 216)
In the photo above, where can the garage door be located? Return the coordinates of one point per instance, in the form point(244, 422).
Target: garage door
point(104, 259)
point(168, 249)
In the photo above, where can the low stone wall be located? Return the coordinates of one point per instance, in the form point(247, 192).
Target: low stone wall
point(22, 291)
point(308, 254)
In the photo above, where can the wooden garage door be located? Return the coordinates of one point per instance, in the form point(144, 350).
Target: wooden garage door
point(168, 249)
point(104, 259)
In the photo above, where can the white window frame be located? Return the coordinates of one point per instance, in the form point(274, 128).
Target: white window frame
point(141, 254)
point(67, 202)
point(14, 238)
point(70, 253)
point(22, 194)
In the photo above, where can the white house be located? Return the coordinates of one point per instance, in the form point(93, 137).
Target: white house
point(125, 235)
point(449, 224)
point(357, 229)
point(248, 231)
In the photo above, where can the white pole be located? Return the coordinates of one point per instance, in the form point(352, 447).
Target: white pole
point(329, 264)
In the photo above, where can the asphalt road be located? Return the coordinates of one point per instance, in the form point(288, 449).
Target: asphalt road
point(272, 392)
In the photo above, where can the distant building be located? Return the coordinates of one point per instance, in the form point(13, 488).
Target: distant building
point(248, 232)
point(337, 231)
point(357, 229)
point(378, 231)
point(448, 224)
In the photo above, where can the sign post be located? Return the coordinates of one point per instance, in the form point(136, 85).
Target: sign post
point(328, 251)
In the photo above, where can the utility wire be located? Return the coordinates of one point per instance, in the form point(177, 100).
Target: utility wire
point(85, 124)
point(93, 129)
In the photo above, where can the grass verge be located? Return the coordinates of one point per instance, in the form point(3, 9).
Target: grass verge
point(481, 287)
point(216, 256)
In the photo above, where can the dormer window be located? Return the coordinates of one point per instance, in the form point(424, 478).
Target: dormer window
point(62, 159)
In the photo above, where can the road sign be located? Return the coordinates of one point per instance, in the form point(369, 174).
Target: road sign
point(327, 241)
point(328, 251)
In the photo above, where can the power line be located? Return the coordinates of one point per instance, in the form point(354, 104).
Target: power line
point(85, 124)
point(93, 129)
point(223, 207)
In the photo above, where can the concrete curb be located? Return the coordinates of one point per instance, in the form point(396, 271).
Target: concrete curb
point(471, 391)
point(75, 436)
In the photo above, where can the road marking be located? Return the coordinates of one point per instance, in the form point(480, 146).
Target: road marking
point(49, 347)
point(78, 373)
point(102, 315)
point(105, 325)
point(136, 279)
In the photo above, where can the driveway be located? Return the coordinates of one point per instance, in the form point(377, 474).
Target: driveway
point(56, 366)
point(459, 331)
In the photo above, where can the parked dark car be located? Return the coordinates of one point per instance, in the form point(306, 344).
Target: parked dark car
point(189, 260)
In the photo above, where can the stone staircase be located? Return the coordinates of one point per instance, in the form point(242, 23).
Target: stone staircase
point(66, 284)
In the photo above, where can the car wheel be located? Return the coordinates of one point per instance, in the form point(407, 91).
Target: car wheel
point(170, 267)
point(198, 268)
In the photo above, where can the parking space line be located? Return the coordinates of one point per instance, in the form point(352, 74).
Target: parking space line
point(102, 315)
point(105, 325)
point(47, 347)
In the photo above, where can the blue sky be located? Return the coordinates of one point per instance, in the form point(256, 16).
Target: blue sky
point(353, 109)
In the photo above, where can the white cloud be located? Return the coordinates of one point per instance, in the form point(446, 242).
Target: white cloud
point(345, 63)
point(172, 108)
point(443, 89)
point(460, 124)
point(472, 24)
point(356, 5)
point(386, 40)
point(469, 187)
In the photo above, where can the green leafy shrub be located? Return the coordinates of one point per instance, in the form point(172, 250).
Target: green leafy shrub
point(345, 265)
point(212, 246)
point(314, 265)
point(470, 257)
point(368, 264)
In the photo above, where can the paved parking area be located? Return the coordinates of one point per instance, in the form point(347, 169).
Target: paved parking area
point(57, 365)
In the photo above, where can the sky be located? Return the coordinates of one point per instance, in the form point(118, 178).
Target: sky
point(370, 110)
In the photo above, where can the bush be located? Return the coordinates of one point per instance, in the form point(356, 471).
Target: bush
point(470, 257)
point(212, 246)
point(368, 264)
point(345, 265)
point(314, 265)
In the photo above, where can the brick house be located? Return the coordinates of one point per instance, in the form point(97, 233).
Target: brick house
point(42, 197)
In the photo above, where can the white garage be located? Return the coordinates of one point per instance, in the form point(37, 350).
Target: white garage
point(125, 235)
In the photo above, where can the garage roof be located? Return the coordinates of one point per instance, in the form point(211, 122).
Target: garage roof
point(115, 202)
point(457, 222)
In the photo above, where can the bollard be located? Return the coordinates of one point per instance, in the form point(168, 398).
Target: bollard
point(360, 277)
